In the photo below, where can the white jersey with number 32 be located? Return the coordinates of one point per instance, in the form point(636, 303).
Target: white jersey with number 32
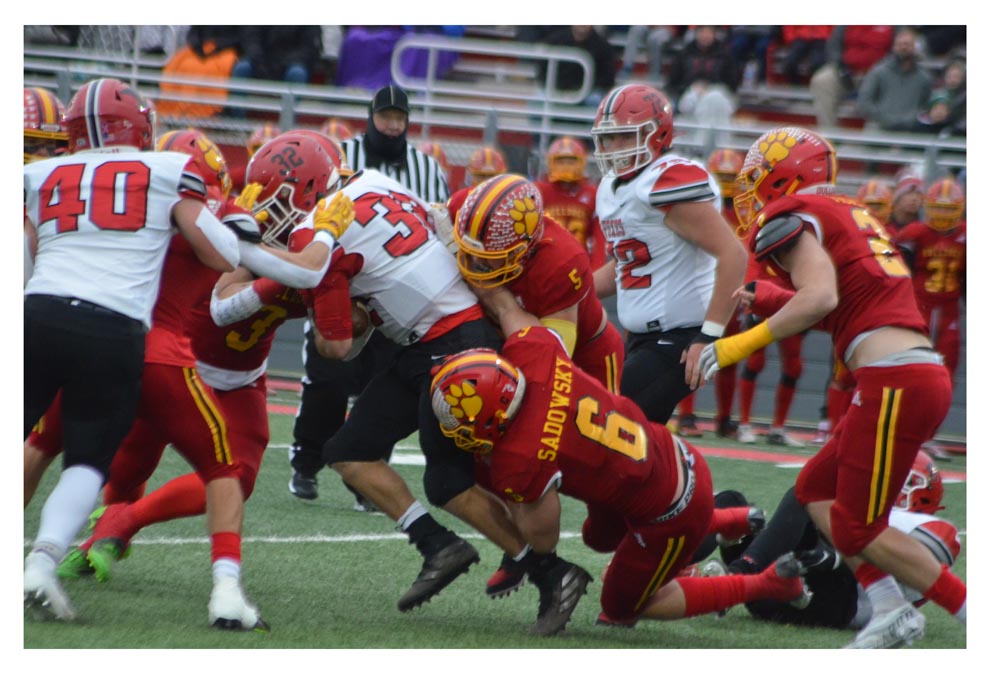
point(104, 224)
point(662, 280)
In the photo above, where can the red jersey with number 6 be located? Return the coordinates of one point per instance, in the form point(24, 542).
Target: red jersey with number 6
point(591, 444)
point(104, 223)
point(391, 259)
point(874, 282)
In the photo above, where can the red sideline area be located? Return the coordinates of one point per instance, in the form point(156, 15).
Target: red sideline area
point(742, 454)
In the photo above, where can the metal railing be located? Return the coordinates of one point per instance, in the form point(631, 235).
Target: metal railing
point(528, 108)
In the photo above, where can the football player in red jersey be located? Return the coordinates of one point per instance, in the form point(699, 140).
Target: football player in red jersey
point(435, 150)
point(336, 129)
point(674, 261)
point(569, 197)
point(547, 428)
point(837, 600)
point(848, 276)
point(44, 135)
point(505, 240)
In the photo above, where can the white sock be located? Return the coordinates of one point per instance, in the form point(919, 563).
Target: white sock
point(66, 509)
point(225, 567)
point(885, 595)
point(961, 613)
point(525, 551)
point(415, 511)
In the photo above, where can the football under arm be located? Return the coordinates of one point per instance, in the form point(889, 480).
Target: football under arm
point(234, 298)
point(213, 243)
point(336, 349)
point(539, 521)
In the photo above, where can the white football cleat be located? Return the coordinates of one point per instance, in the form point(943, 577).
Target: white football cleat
point(44, 597)
point(745, 434)
point(230, 610)
point(891, 629)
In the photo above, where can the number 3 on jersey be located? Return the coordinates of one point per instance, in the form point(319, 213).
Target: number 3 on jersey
point(399, 211)
point(117, 196)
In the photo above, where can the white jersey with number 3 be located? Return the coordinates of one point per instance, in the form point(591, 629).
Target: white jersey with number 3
point(662, 280)
point(408, 277)
point(104, 224)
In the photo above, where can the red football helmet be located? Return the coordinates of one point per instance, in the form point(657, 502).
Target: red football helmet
point(260, 136)
point(725, 166)
point(496, 228)
point(206, 156)
point(332, 148)
point(435, 151)
point(44, 135)
point(106, 113)
point(922, 491)
point(295, 172)
point(627, 110)
point(781, 162)
point(475, 395)
point(566, 160)
point(336, 129)
point(878, 197)
point(484, 163)
point(945, 203)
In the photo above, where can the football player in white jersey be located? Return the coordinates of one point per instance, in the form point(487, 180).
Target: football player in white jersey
point(102, 217)
point(674, 261)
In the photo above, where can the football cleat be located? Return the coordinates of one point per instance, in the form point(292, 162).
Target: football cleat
point(778, 437)
point(508, 578)
point(745, 434)
point(560, 588)
point(103, 553)
point(785, 575)
point(303, 487)
point(688, 427)
point(726, 428)
point(891, 629)
point(439, 570)
point(229, 608)
point(757, 520)
point(75, 565)
point(44, 598)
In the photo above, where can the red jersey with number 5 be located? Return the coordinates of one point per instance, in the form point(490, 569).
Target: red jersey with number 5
point(570, 432)
point(875, 288)
point(391, 259)
point(104, 222)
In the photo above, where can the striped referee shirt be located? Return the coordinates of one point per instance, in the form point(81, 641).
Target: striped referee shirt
point(421, 174)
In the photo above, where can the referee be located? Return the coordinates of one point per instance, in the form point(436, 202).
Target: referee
point(328, 384)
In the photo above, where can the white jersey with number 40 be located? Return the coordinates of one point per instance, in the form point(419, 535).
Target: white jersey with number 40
point(662, 280)
point(104, 223)
point(409, 278)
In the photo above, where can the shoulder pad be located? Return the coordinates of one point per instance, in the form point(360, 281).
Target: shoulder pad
point(776, 234)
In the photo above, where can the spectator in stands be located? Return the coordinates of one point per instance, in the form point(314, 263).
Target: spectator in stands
point(896, 88)
point(805, 51)
point(943, 40)
point(571, 75)
point(850, 51)
point(749, 44)
point(946, 113)
point(654, 39)
point(704, 78)
point(279, 52)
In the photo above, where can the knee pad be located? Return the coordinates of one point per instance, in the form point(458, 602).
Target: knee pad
point(790, 369)
point(849, 535)
point(443, 481)
point(748, 374)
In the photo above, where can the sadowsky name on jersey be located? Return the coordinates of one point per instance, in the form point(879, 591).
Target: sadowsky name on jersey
point(557, 412)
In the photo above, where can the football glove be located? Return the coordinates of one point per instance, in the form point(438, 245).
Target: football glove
point(442, 225)
point(334, 217)
point(247, 198)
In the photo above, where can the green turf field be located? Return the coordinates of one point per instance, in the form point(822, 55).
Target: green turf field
point(326, 576)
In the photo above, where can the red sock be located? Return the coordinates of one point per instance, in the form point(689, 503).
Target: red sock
point(687, 405)
point(708, 595)
point(113, 494)
point(747, 389)
point(782, 404)
point(867, 574)
point(725, 390)
point(184, 496)
point(732, 523)
point(226, 544)
point(948, 591)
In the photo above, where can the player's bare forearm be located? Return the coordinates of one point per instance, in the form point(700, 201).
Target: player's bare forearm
point(816, 288)
point(539, 522)
point(605, 279)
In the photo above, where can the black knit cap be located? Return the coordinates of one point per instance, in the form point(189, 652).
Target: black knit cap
point(390, 96)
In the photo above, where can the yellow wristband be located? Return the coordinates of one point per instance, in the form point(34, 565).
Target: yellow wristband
point(733, 349)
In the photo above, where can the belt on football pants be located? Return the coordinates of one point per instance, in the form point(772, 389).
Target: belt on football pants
point(77, 303)
point(687, 460)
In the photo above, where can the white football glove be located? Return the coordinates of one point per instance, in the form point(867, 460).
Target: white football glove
point(708, 361)
point(442, 225)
